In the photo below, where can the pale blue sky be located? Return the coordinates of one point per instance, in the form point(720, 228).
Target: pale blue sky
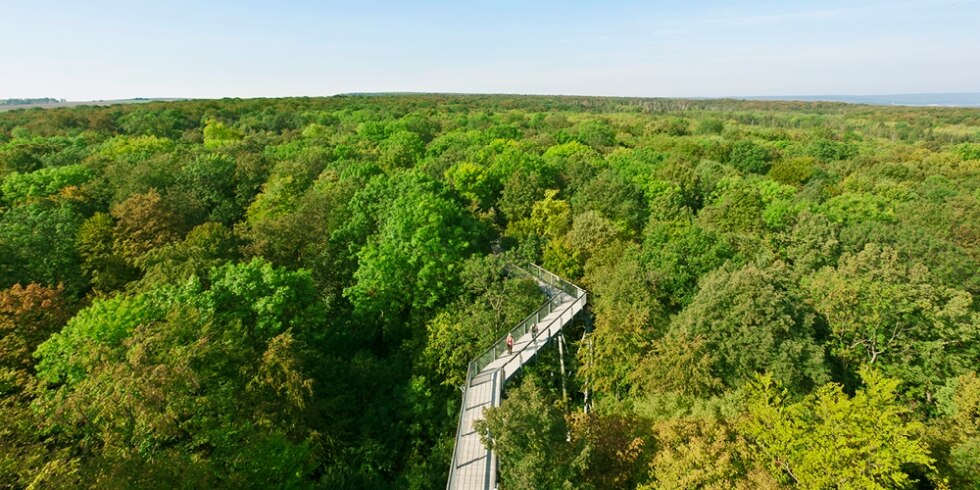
point(108, 49)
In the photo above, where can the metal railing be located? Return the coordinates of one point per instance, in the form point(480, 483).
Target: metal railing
point(553, 280)
point(546, 330)
point(558, 287)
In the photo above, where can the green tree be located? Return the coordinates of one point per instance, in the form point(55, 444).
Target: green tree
point(205, 247)
point(679, 254)
point(550, 219)
point(616, 198)
point(190, 384)
point(37, 245)
point(19, 187)
point(883, 311)
point(144, 222)
point(753, 319)
point(28, 316)
point(830, 440)
point(628, 318)
point(105, 268)
point(596, 133)
point(528, 434)
point(735, 207)
point(794, 171)
point(401, 150)
point(464, 328)
point(704, 452)
point(422, 239)
point(955, 437)
point(472, 182)
point(750, 157)
point(217, 134)
point(210, 181)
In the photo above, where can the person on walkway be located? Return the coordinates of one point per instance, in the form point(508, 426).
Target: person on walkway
point(510, 344)
point(534, 331)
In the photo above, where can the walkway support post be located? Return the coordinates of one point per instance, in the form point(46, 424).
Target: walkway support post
point(561, 361)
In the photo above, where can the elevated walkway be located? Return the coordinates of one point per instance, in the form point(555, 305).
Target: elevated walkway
point(473, 465)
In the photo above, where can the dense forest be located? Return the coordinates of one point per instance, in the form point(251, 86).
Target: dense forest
point(286, 292)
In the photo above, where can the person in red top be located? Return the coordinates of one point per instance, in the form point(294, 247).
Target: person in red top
point(510, 344)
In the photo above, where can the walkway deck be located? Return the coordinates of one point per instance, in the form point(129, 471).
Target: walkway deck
point(474, 466)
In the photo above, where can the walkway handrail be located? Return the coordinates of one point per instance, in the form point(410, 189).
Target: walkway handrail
point(522, 328)
point(489, 355)
point(520, 354)
point(552, 280)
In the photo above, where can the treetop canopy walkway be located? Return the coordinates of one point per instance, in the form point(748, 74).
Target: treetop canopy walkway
point(473, 465)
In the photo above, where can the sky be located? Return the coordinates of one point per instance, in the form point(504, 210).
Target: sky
point(107, 49)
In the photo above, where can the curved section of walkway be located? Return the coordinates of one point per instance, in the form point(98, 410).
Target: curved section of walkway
point(473, 465)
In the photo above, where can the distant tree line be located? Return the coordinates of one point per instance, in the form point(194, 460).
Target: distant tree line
point(45, 100)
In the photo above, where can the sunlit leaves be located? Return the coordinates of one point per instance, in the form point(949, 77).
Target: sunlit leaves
point(830, 439)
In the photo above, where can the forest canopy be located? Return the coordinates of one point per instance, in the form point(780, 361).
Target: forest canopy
point(286, 292)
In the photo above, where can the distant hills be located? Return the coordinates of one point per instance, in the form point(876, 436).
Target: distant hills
point(961, 99)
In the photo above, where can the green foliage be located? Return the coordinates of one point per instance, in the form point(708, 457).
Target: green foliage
point(829, 150)
point(28, 316)
point(206, 246)
point(268, 284)
point(704, 452)
point(832, 440)
point(136, 147)
point(37, 245)
point(528, 434)
point(750, 157)
point(751, 320)
point(401, 150)
point(62, 358)
point(676, 126)
point(144, 222)
point(578, 164)
point(793, 171)
point(596, 133)
point(883, 311)
point(735, 208)
point(956, 438)
point(679, 254)
point(19, 187)
point(211, 379)
point(104, 267)
point(209, 181)
point(217, 134)
point(463, 329)
point(422, 238)
point(628, 319)
point(860, 207)
point(472, 182)
point(27, 153)
point(550, 219)
point(616, 199)
point(969, 151)
point(165, 123)
point(710, 126)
